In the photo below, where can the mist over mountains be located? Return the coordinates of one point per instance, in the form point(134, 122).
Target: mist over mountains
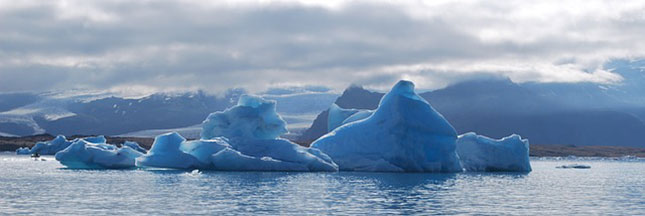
point(546, 113)
point(564, 113)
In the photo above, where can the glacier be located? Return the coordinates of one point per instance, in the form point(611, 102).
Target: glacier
point(404, 134)
point(94, 154)
point(55, 145)
point(482, 154)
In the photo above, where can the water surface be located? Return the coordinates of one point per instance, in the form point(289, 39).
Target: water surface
point(44, 187)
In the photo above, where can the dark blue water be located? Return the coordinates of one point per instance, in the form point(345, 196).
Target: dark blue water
point(43, 187)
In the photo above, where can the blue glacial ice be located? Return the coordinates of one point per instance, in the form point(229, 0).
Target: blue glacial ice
point(244, 137)
point(135, 146)
point(166, 153)
point(83, 154)
point(404, 134)
point(57, 144)
point(480, 153)
point(202, 150)
point(338, 116)
point(252, 118)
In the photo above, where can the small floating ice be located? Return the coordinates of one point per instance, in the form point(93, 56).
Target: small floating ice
point(574, 166)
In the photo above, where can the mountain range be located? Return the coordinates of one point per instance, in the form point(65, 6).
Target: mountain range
point(579, 114)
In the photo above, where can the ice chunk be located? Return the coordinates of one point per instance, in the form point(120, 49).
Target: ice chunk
point(243, 137)
point(57, 144)
point(480, 153)
point(23, 151)
point(96, 139)
point(82, 154)
point(51, 147)
point(360, 115)
point(202, 150)
point(252, 118)
point(232, 160)
point(574, 166)
point(338, 116)
point(404, 134)
point(135, 146)
point(166, 153)
point(251, 129)
point(287, 153)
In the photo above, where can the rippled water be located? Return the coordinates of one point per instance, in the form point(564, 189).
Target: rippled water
point(43, 187)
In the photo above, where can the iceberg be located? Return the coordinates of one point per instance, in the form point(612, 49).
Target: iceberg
point(284, 151)
point(82, 154)
point(135, 146)
point(252, 129)
point(166, 153)
point(232, 160)
point(482, 154)
point(252, 118)
point(404, 134)
point(23, 151)
point(574, 166)
point(202, 150)
point(244, 137)
point(338, 116)
point(55, 145)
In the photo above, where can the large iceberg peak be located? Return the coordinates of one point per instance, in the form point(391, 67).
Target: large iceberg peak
point(404, 134)
point(403, 104)
point(403, 87)
point(252, 118)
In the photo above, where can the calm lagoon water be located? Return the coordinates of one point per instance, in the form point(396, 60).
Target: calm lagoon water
point(44, 187)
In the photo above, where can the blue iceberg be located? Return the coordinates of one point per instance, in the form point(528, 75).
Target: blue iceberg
point(244, 137)
point(252, 118)
point(166, 153)
point(338, 116)
point(57, 144)
point(404, 134)
point(83, 154)
point(135, 146)
point(483, 154)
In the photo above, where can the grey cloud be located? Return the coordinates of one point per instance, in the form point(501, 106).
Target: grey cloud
point(173, 45)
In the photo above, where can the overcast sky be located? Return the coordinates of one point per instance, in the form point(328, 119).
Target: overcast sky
point(149, 46)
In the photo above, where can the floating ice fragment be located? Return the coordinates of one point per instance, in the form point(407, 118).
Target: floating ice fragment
point(574, 166)
point(480, 153)
point(82, 154)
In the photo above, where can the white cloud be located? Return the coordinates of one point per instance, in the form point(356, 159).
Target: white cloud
point(159, 45)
